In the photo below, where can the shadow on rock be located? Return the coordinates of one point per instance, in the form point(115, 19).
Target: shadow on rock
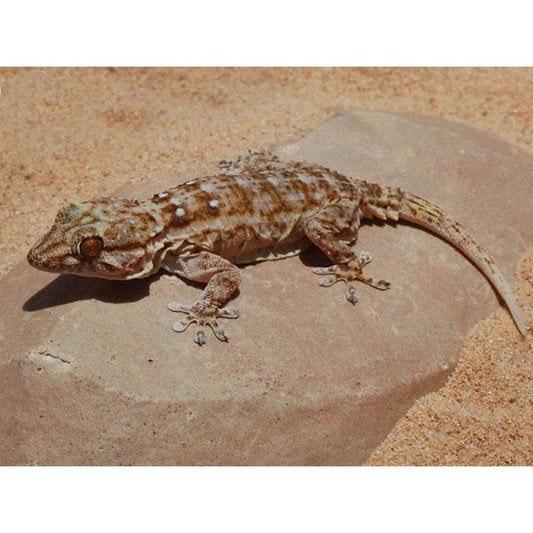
point(66, 289)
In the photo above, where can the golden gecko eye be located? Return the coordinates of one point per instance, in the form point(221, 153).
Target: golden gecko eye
point(90, 247)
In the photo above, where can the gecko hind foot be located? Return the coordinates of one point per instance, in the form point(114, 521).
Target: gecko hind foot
point(348, 273)
point(202, 317)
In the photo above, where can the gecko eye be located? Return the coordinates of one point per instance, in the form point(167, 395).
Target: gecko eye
point(90, 247)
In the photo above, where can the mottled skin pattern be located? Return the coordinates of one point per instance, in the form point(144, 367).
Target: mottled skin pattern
point(254, 209)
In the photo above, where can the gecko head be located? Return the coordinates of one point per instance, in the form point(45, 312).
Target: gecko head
point(109, 238)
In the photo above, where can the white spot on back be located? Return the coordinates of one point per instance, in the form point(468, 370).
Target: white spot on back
point(209, 187)
point(180, 212)
point(162, 195)
point(214, 203)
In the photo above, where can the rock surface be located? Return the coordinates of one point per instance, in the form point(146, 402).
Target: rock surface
point(93, 374)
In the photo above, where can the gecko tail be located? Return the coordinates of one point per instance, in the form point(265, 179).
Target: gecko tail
point(426, 214)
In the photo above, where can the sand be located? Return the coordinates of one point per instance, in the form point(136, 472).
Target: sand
point(73, 134)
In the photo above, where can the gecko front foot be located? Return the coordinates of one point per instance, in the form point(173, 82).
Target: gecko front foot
point(348, 273)
point(202, 316)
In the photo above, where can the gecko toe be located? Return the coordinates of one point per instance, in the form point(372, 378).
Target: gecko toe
point(381, 284)
point(365, 258)
point(352, 296)
point(327, 282)
point(221, 335)
point(181, 325)
point(200, 337)
point(179, 308)
point(228, 312)
point(324, 271)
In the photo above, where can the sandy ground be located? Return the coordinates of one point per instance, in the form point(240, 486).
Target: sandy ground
point(73, 134)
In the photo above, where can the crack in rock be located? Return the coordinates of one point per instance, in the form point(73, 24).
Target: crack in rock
point(51, 360)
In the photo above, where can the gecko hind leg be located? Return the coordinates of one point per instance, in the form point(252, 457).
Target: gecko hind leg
point(324, 230)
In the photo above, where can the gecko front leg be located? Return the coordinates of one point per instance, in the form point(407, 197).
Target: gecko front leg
point(222, 278)
point(347, 267)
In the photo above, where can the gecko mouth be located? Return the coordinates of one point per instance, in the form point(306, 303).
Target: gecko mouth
point(36, 261)
point(105, 271)
point(33, 259)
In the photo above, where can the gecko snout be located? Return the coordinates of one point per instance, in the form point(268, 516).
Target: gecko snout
point(34, 258)
point(41, 255)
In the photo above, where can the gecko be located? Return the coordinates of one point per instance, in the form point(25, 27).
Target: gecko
point(255, 208)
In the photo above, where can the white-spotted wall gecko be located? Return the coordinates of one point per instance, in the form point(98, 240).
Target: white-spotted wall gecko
point(254, 209)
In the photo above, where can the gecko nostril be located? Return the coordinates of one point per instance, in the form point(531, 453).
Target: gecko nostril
point(31, 258)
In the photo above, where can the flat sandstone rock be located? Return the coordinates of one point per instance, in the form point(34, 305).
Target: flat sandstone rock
point(92, 372)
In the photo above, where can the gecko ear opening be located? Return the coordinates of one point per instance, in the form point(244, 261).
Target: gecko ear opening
point(90, 247)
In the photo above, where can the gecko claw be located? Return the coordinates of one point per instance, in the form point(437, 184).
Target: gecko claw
point(382, 285)
point(221, 335)
point(199, 336)
point(352, 296)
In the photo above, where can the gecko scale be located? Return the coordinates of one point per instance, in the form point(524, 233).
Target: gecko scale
point(254, 209)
